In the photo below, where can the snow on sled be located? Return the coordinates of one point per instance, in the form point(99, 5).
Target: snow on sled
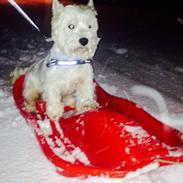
point(115, 140)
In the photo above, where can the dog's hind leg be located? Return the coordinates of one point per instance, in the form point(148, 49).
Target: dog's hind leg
point(31, 94)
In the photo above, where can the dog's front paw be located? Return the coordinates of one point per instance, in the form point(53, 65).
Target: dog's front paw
point(54, 113)
point(87, 106)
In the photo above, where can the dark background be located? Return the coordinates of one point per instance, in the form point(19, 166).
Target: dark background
point(140, 3)
point(150, 30)
point(144, 24)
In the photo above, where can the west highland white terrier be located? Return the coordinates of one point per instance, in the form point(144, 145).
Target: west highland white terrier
point(65, 77)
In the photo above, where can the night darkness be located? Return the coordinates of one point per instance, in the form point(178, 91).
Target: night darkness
point(152, 31)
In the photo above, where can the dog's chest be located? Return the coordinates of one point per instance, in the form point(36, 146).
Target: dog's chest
point(67, 78)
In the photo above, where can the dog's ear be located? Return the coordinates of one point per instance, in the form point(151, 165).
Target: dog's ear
point(91, 4)
point(56, 7)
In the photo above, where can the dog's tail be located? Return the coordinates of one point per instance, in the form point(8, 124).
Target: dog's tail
point(16, 73)
point(156, 96)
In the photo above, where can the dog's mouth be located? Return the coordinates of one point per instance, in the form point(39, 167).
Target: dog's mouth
point(81, 51)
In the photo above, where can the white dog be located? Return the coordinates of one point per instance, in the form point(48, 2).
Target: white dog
point(65, 77)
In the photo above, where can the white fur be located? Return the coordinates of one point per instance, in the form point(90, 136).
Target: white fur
point(66, 85)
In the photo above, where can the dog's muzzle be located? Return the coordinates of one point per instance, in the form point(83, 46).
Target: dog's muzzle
point(57, 62)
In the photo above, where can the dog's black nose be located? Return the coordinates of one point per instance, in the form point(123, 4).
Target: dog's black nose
point(83, 41)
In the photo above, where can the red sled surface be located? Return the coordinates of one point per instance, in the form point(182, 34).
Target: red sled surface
point(116, 139)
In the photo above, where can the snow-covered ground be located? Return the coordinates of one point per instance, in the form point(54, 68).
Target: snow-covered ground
point(21, 159)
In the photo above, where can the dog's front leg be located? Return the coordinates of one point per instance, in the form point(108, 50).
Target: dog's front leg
point(85, 95)
point(54, 106)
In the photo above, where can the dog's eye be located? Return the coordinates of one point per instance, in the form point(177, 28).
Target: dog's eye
point(71, 26)
point(89, 26)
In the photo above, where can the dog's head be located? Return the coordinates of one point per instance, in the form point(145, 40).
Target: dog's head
point(74, 29)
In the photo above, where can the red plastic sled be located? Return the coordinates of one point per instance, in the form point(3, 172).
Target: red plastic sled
point(114, 140)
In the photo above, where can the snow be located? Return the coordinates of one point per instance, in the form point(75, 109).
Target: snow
point(136, 131)
point(58, 146)
point(22, 160)
point(157, 97)
point(145, 169)
point(120, 51)
point(45, 127)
